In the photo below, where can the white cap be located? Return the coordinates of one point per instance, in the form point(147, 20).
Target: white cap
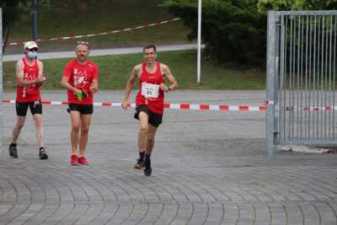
point(30, 45)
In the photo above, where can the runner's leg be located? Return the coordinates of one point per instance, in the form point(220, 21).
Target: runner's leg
point(75, 130)
point(85, 124)
point(20, 122)
point(143, 131)
point(38, 120)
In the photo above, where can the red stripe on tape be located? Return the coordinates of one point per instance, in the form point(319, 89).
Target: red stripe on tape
point(46, 102)
point(224, 108)
point(243, 108)
point(106, 103)
point(204, 107)
point(262, 108)
point(184, 106)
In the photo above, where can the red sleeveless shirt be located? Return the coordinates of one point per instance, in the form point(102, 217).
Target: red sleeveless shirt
point(29, 93)
point(155, 104)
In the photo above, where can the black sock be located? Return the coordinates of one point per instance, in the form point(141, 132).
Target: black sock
point(147, 155)
point(141, 155)
point(147, 162)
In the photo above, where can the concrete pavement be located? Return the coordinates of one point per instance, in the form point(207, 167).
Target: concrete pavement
point(208, 168)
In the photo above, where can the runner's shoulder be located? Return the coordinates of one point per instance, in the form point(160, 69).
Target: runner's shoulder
point(137, 68)
point(163, 66)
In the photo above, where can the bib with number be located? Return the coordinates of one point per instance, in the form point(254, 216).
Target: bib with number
point(150, 90)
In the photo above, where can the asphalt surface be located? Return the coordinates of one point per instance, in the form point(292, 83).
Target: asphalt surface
point(208, 168)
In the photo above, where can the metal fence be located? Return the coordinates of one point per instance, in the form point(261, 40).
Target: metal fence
point(301, 78)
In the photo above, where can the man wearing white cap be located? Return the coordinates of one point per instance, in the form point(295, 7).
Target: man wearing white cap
point(29, 78)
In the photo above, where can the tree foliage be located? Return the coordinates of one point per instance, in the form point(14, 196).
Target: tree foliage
point(232, 30)
point(11, 10)
point(264, 5)
point(235, 30)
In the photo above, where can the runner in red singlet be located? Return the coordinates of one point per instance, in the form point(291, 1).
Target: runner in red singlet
point(29, 78)
point(149, 102)
point(80, 77)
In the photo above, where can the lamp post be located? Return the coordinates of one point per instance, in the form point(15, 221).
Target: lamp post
point(199, 41)
point(34, 19)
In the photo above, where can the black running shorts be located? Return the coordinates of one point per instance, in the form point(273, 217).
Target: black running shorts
point(22, 107)
point(155, 119)
point(83, 109)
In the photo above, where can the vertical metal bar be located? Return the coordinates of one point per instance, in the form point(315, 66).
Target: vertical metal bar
point(291, 77)
point(1, 85)
point(334, 79)
point(297, 74)
point(286, 75)
point(310, 74)
point(301, 77)
point(281, 89)
point(271, 77)
point(321, 80)
point(329, 102)
point(314, 77)
point(325, 74)
point(317, 78)
point(306, 63)
point(327, 59)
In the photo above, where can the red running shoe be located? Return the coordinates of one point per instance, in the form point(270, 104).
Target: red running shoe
point(74, 160)
point(83, 161)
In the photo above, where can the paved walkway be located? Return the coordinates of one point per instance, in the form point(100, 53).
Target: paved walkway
point(102, 52)
point(208, 168)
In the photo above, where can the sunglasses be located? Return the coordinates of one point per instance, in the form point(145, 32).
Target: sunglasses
point(33, 49)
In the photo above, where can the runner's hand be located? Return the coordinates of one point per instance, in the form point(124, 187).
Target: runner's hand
point(77, 91)
point(126, 104)
point(41, 79)
point(163, 87)
point(93, 89)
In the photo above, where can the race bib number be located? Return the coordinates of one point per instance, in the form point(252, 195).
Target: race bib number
point(150, 90)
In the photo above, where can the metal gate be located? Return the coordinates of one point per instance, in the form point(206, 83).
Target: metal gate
point(301, 78)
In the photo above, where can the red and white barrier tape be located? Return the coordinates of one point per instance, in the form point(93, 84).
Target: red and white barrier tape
point(179, 106)
point(200, 107)
point(127, 29)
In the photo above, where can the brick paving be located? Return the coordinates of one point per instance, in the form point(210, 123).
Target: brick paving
point(209, 168)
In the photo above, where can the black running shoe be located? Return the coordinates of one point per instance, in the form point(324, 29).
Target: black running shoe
point(43, 154)
point(139, 165)
point(147, 165)
point(148, 171)
point(13, 152)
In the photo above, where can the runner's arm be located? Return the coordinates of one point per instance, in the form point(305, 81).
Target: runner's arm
point(129, 86)
point(65, 83)
point(168, 74)
point(41, 77)
point(94, 86)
